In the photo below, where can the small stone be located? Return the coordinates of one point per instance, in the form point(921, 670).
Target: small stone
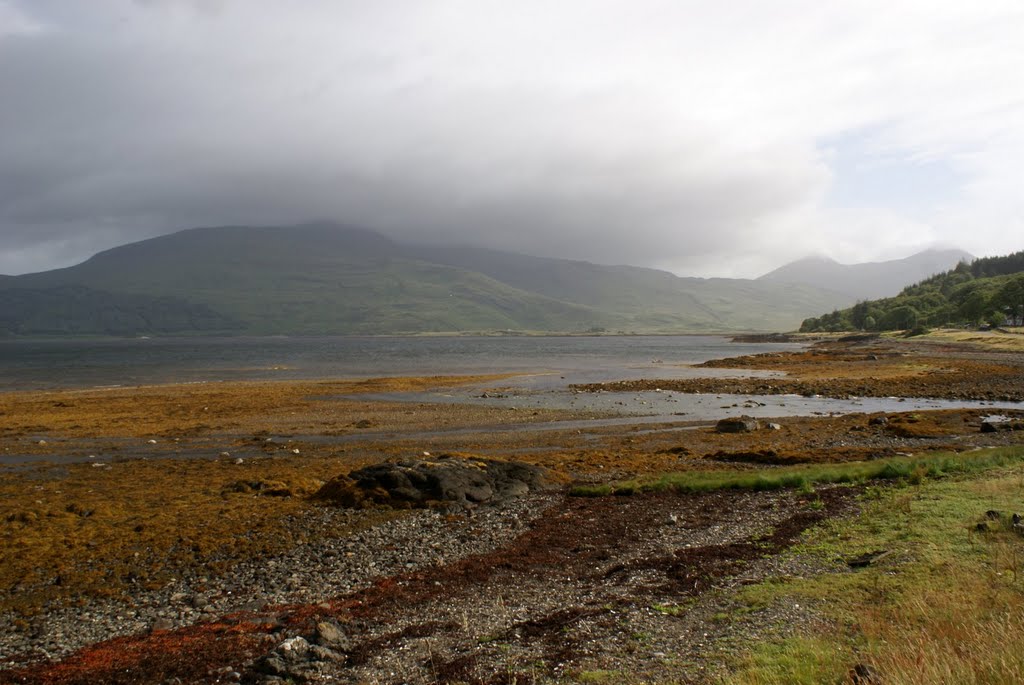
point(41, 442)
point(329, 634)
point(295, 451)
point(225, 454)
point(862, 674)
point(294, 648)
point(239, 461)
point(321, 653)
point(151, 442)
point(161, 624)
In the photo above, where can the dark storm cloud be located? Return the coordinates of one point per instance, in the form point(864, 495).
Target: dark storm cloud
point(586, 130)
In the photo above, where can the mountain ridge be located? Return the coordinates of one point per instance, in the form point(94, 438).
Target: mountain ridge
point(325, 278)
point(868, 280)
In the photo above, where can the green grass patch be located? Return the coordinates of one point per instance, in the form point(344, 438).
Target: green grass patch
point(912, 469)
point(794, 661)
point(945, 605)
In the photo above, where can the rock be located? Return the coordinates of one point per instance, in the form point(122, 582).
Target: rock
point(296, 660)
point(993, 515)
point(321, 653)
point(864, 560)
point(774, 427)
point(329, 634)
point(878, 421)
point(862, 674)
point(161, 624)
point(989, 427)
point(443, 482)
point(742, 424)
point(293, 649)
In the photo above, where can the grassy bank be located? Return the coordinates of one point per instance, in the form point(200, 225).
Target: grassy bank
point(913, 469)
point(944, 605)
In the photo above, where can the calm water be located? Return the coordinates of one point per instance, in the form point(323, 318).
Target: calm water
point(78, 363)
point(545, 368)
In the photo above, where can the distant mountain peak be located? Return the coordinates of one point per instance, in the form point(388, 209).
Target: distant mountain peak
point(868, 280)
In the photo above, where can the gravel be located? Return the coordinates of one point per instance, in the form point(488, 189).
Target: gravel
point(335, 562)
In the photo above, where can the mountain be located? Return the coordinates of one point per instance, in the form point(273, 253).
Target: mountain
point(333, 279)
point(988, 290)
point(78, 310)
point(869, 280)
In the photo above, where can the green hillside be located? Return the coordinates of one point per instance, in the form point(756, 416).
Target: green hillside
point(330, 279)
point(988, 290)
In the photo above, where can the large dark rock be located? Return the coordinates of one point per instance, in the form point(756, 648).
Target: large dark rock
point(445, 481)
point(740, 424)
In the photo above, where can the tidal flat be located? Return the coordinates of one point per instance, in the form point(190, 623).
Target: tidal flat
point(172, 533)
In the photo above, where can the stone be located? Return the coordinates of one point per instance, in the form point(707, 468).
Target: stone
point(878, 421)
point(294, 648)
point(443, 482)
point(161, 624)
point(741, 424)
point(321, 653)
point(329, 634)
point(862, 674)
point(867, 559)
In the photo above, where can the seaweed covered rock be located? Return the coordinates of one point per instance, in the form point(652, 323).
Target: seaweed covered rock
point(442, 482)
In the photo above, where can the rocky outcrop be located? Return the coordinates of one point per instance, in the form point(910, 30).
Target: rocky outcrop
point(445, 482)
point(740, 424)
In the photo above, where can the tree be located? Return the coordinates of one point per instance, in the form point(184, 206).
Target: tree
point(900, 318)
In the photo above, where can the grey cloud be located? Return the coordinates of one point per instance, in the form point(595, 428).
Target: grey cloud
point(419, 119)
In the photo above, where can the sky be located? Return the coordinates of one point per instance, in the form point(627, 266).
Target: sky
point(708, 139)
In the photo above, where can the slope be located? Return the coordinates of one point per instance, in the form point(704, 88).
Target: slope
point(869, 280)
point(332, 279)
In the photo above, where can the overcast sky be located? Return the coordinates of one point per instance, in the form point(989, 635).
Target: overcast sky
point(707, 138)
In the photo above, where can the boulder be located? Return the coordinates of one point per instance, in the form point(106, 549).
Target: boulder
point(444, 481)
point(741, 424)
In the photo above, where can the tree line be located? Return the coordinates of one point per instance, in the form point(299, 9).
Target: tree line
point(986, 291)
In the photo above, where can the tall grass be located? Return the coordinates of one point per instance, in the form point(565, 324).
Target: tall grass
point(912, 469)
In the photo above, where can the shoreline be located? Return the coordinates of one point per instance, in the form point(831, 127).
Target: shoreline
point(163, 550)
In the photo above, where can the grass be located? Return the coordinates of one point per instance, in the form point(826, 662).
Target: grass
point(997, 340)
point(945, 606)
point(913, 469)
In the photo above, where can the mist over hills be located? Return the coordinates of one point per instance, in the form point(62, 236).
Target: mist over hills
point(870, 280)
point(331, 279)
